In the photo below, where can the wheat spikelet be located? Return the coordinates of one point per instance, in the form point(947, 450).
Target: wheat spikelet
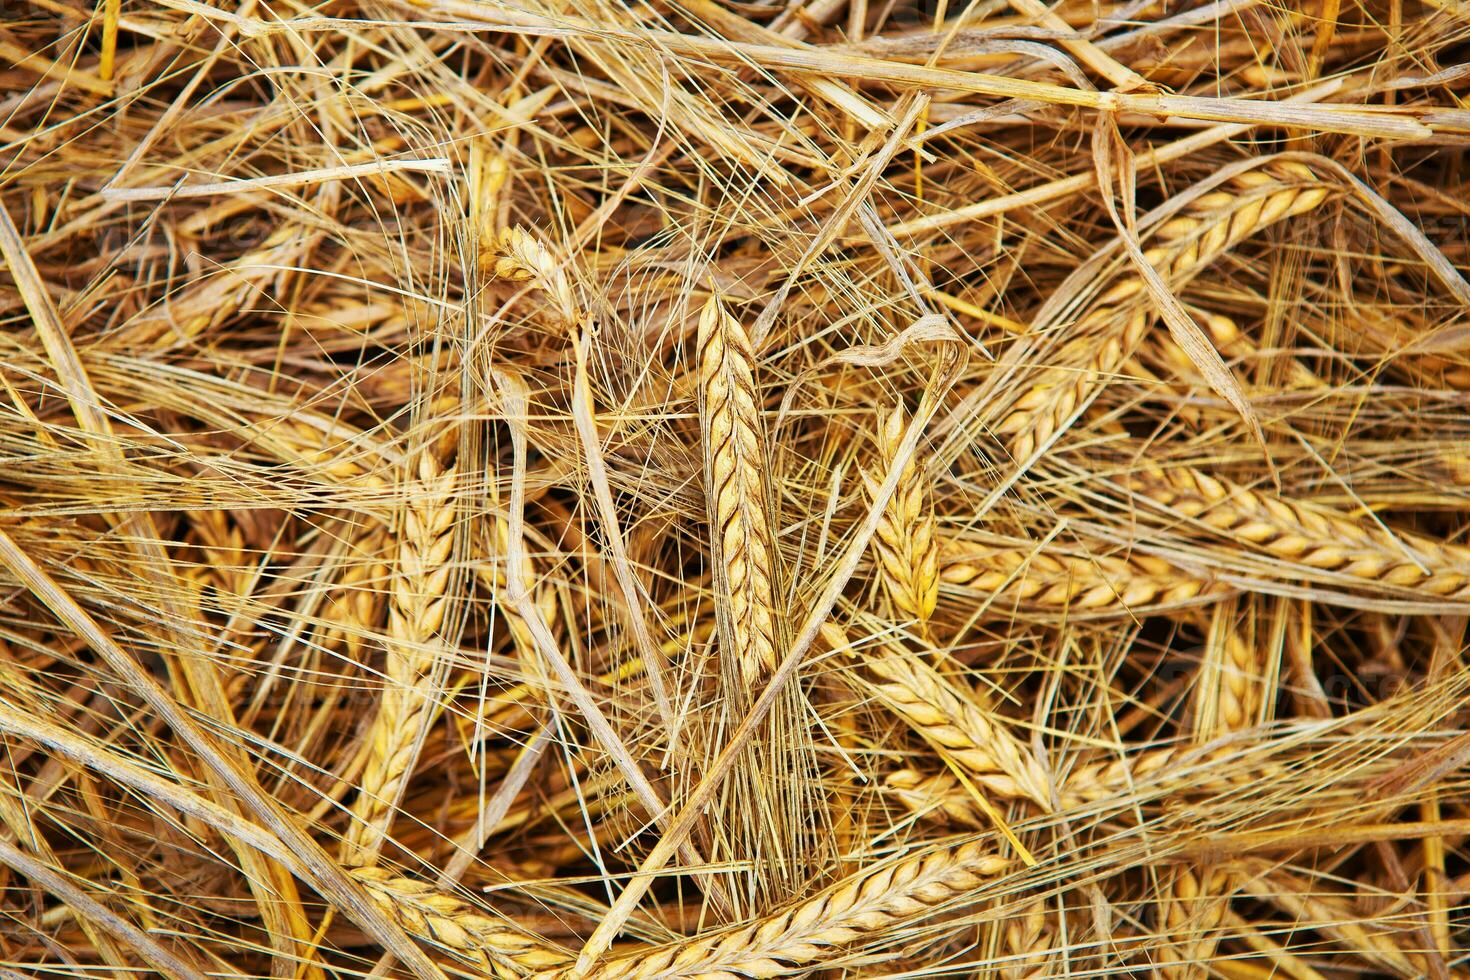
point(737, 498)
point(807, 935)
point(905, 543)
point(963, 730)
point(489, 172)
point(1215, 223)
point(1310, 536)
point(1107, 584)
point(417, 606)
point(456, 928)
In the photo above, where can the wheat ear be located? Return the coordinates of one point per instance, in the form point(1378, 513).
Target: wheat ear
point(457, 929)
point(1232, 344)
point(1107, 584)
point(1228, 697)
point(859, 910)
point(1337, 918)
point(1191, 914)
point(332, 448)
point(737, 497)
point(416, 610)
point(905, 542)
point(1310, 536)
point(1215, 222)
point(940, 795)
point(522, 257)
point(492, 576)
point(950, 719)
point(350, 613)
point(1028, 944)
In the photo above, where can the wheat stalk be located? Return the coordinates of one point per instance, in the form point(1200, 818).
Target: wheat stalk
point(951, 720)
point(1106, 584)
point(1215, 223)
point(905, 542)
point(1310, 536)
point(737, 498)
point(459, 930)
point(416, 610)
point(860, 909)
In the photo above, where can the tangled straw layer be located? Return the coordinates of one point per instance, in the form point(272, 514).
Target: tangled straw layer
point(656, 470)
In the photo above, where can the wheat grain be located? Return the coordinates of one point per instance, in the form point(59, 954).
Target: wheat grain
point(459, 930)
point(416, 610)
point(1215, 223)
point(952, 721)
point(905, 543)
point(860, 909)
point(737, 498)
point(1314, 538)
point(1050, 581)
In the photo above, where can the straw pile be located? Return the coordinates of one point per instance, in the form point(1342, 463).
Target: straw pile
point(708, 488)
